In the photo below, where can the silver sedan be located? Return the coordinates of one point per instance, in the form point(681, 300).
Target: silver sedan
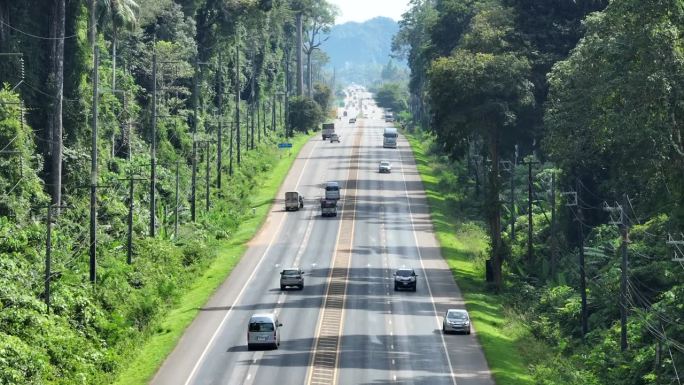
point(456, 320)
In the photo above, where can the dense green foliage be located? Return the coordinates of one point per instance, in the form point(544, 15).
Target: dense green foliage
point(210, 55)
point(590, 91)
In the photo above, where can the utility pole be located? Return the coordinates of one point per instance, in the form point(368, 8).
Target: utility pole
point(530, 247)
point(93, 171)
point(195, 106)
point(195, 123)
point(273, 111)
point(48, 257)
point(219, 139)
point(574, 202)
point(175, 214)
point(129, 240)
point(206, 182)
point(237, 95)
point(583, 274)
point(230, 152)
point(554, 246)
point(48, 253)
point(131, 206)
point(513, 213)
point(153, 149)
point(621, 221)
point(623, 283)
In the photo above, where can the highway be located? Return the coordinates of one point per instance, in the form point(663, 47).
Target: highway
point(348, 325)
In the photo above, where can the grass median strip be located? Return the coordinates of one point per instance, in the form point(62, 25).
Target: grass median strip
point(463, 245)
point(228, 253)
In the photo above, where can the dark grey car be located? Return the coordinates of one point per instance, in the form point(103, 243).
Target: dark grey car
point(405, 279)
point(292, 277)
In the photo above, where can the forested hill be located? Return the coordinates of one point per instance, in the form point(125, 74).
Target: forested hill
point(359, 50)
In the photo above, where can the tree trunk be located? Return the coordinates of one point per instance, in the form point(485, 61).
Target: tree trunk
point(55, 113)
point(309, 86)
point(114, 41)
point(92, 24)
point(300, 47)
point(494, 207)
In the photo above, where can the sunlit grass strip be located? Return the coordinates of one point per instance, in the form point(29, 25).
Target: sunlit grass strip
point(163, 339)
point(462, 244)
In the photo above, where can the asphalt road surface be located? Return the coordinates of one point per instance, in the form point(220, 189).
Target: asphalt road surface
point(348, 325)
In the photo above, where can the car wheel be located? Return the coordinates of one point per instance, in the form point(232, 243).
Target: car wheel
point(468, 332)
point(301, 287)
point(396, 288)
point(414, 288)
point(249, 347)
point(282, 287)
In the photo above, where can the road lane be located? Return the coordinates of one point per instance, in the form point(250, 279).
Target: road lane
point(215, 343)
point(385, 336)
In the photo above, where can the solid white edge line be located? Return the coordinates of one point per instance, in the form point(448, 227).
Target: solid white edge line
point(237, 299)
point(420, 257)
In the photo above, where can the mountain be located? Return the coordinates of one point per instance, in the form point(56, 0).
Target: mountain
point(358, 51)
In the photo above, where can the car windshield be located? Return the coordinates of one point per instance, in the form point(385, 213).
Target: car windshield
point(260, 327)
point(404, 273)
point(332, 188)
point(384, 163)
point(290, 272)
point(457, 316)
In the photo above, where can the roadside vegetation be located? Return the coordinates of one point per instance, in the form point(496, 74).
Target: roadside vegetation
point(550, 137)
point(225, 85)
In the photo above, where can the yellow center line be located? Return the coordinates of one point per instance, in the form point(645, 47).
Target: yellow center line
point(323, 367)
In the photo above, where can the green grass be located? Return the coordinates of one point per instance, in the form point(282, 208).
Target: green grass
point(161, 342)
point(464, 246)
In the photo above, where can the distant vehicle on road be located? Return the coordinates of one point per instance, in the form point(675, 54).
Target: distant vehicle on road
point(334, 138)
point(332, 191)
point(293, 201)
point(352, 121)
point(389, 138)
point(328, 130)
point(385, 166)
point(389, 118)
point(405, 278)
point(328, 207)
point(263, 330)
point(293, 276)
point(456, 320)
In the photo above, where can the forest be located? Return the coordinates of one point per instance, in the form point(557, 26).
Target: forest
point(561, 123)
point(133, 135)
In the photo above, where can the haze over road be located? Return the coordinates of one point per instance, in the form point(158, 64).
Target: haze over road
point(368, 333)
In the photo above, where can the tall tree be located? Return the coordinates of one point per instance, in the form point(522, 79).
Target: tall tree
point(320, 18)
point(57, 28)
point(120, 14)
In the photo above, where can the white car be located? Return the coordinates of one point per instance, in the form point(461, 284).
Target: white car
point(456, 320)
point(385, 166)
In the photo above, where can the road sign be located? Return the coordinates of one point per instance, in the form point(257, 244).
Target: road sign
point(284, 145)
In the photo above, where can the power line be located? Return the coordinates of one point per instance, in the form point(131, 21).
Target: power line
point(43, 37)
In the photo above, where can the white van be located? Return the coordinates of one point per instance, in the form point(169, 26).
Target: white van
point(332, 191)
point(263, 330)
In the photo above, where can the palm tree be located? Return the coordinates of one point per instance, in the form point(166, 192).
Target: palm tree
point(121, 14)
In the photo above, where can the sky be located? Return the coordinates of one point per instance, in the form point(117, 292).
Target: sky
point(362, 10)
